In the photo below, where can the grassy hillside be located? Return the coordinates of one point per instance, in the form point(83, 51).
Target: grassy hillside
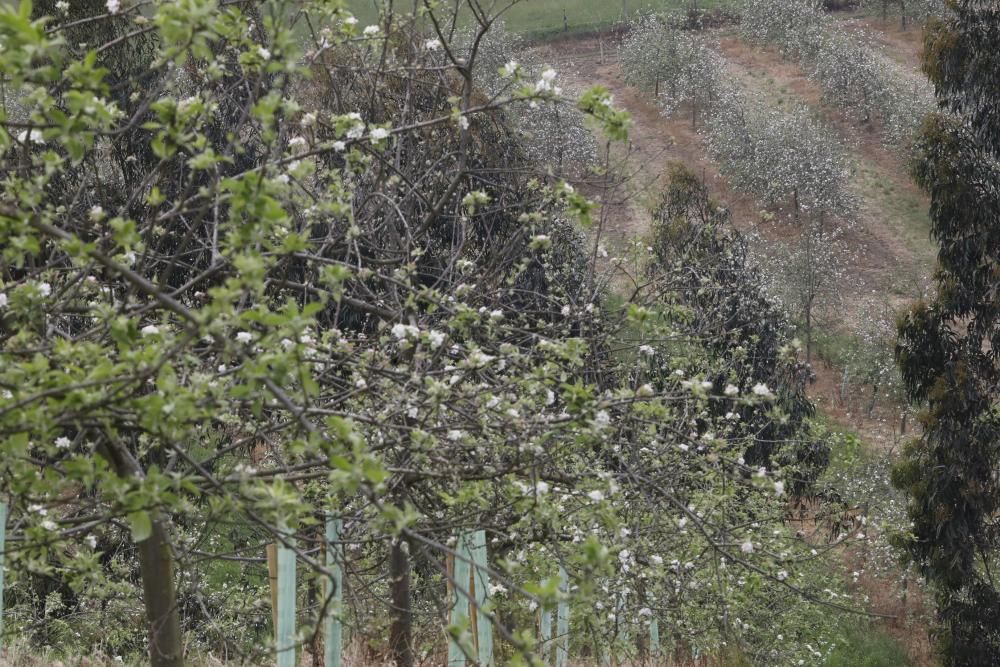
point(537, 18)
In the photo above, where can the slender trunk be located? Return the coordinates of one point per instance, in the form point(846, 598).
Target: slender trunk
point(400, 633)
point(809, 332)
point(906, 585)
point(314, 599)
point(156, 564)
point(871, 403)
point(156, 567)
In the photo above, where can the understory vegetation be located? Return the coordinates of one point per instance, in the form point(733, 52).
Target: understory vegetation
point(282, 287)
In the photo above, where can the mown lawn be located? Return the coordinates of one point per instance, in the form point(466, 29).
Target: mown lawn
point(538, 18)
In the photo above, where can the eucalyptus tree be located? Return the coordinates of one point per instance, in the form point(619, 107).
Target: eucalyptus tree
point(947, 346)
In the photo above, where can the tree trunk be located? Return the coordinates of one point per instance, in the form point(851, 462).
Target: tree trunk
point(809, 332)
point(156, 567)
point(400, 633)
point(156, 564)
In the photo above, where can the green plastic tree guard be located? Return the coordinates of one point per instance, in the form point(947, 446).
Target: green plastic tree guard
point(332, 628)
point(3, 537)
point(562, 621)
point(545, 635)
point(460, 610)
point(285, 632)
point(654, 640)
point(481, 576)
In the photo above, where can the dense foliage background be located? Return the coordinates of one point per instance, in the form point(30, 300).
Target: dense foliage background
point(263, 265)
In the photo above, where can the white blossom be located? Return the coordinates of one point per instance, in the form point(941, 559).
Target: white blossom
point(403, 331)
point(435, 338)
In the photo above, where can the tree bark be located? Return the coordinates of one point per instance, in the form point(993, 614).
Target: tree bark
point(156, 567)
point(400, 633)
point(156, 563)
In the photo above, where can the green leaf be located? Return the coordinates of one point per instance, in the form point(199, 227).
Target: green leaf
point(141, 526)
